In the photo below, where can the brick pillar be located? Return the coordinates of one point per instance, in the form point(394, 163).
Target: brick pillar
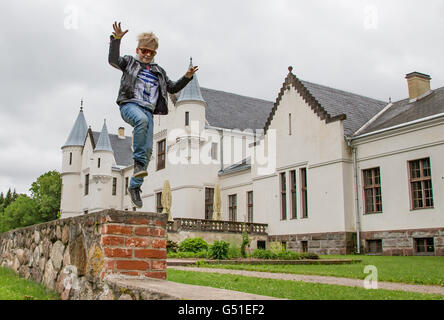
point(134, 244)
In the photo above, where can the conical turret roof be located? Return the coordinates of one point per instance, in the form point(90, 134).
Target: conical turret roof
point(104, 144)
point(78, 132)
point(192, 90)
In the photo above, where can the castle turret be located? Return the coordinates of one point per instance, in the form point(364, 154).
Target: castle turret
point(191, 106)
point(101, 170)
point(72, 166)
point(103, 155)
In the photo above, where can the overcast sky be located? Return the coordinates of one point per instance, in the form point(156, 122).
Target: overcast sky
point(54, 52)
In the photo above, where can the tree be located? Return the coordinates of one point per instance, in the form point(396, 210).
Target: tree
point(21, 213)
point(46, 191)
point(20, 210)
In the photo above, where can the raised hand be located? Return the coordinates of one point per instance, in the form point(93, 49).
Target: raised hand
point(118, 31)
point(191, 71)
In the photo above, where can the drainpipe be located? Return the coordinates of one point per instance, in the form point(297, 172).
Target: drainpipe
point(358, 219)
point(221, 132)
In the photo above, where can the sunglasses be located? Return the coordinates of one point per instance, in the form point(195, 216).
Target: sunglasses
point(145, 51)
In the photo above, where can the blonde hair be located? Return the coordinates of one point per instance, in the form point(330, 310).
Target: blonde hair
point(148, 40)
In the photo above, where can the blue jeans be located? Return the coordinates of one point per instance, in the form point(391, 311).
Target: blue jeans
point(142, 120)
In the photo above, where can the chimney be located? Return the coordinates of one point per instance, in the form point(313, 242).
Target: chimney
point(419, 84)
point(121, 133)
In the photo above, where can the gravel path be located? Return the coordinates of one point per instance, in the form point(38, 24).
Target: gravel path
point(321, 279)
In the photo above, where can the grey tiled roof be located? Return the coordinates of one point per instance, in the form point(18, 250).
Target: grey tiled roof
point(78, 132)
point(405, 111)
point(233, 111)
point(121, 147)
point(240, 166)
point(358, 109)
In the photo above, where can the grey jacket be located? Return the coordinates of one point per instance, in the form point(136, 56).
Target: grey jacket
point(131, 68)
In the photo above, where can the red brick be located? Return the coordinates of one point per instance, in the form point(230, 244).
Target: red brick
point(158, 265)
point(159, 243)
point(112, 241)
point(142, 231)
point(110, 264)
point(137, 242)
point(117, 229)
point(150, 254)
point(132, 265)
point(137, 221)
point(118, 253)
point(158, 232)
point(160, 223)
point(156, 275)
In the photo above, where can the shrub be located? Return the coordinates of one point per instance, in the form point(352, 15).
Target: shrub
point(234, 252)
point(172, 246)
point(288, 255)
point(245, 242)
point(199, 255)
point(309, 255)
point(193, 245)
point(281, 255)
point(276, 247)
point(263, 254)
point(219, 250)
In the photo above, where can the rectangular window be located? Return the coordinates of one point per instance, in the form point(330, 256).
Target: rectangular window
point(159, 207)
point(303, 174)
point(261, 244)
point(209, 196)
point(98, 163)
point(250, 206)
point(70, 158)
point(283, 184)
point(289, 124)
point(424, 246)
point(293, 194)
point(126, 185)
point(232, 207)
point(114, 186)
point(214, 150)
point(304, 245)
point(187, 118)
point(86, 184)
point(421, 193)
point(374, 246)
point(161, 154)
point(372, 190)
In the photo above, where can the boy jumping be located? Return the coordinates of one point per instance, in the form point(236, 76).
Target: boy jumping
point(143, 92)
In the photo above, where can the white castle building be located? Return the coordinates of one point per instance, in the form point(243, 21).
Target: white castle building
point(322, 167)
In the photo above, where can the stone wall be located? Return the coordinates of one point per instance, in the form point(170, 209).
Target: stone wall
point(319, 243)
point(75, 256)
point(402, 242)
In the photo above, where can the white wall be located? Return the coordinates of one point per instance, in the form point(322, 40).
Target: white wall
point(321, 149)
point(391, 152)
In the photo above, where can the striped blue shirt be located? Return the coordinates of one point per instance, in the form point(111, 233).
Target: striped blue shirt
point(146, 89)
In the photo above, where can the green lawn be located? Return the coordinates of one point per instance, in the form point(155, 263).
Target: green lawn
point(295, 290)
point(413, 270)
point(12, 287)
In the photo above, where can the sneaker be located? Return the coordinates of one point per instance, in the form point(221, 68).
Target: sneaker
point(139, 171)
point(135, 197)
